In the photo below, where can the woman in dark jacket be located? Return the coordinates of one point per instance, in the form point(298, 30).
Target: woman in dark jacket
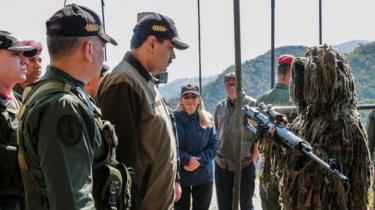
point(198, 143)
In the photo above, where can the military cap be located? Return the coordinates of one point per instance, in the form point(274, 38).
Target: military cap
point(189, 88)
point(76, 21)
point(37, 45)
point(160, 26)
point(230, 75)
point(285, 59)
point(9, 42)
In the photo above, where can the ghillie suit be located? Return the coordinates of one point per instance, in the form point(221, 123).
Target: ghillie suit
point(323, 90)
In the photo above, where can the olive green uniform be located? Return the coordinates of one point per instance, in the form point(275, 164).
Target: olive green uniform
point(272, 153)
point(62, 142)
point(278, 96)
point(11, 189)
point(370, 128)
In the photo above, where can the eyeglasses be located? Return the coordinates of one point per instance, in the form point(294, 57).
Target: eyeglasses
point(230, 84)
point(190, 96)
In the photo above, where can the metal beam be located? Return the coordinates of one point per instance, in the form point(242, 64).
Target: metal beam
point(320, 22)
point(103, 18)
point(284, 109)
point(239, 115)
point(272, 44)
point(199, 47)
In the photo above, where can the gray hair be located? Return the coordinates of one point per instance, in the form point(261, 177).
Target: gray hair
point(60, 46)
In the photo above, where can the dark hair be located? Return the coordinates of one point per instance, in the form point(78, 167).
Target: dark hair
point(60, 46)
point(138, 39)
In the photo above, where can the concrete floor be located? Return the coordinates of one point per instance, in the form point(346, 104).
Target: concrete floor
point(256, 198)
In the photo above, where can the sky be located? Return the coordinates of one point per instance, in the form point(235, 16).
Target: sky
point(296, 24)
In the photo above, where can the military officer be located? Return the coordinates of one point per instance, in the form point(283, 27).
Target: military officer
point(13, 61)
point(60, 137)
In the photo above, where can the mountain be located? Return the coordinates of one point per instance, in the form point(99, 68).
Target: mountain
point(172, 90)
point(348, 47)
point(362, 62)
point(256, 74)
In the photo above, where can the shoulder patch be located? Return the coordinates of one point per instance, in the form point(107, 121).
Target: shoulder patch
point(69, 130)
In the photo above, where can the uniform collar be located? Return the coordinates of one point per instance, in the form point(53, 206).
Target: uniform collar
point(58, 74)
point(280, 85)
point(130, 58)
point(18, 90)
point(11, 105)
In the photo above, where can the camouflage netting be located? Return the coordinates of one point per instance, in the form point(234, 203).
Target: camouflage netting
point(272, 155)
point(323, 89)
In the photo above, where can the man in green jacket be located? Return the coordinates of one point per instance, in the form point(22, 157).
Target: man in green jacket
point(60, 137)
point(129, 99)
point(278, 96)
point(13, 61)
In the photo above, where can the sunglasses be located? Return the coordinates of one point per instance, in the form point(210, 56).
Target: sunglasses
point(190, 96)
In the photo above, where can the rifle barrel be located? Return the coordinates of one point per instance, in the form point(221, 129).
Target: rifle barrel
point(288, 109)
point(325, 165)
point(287, 137)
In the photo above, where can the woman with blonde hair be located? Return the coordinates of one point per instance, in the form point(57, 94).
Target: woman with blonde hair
point(198, 144)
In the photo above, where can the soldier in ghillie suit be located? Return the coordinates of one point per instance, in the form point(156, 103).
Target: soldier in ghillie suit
point(323, 90)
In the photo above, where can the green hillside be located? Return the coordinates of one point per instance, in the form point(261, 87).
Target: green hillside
point(362, 61)
point(172, 89)
point(256, 75)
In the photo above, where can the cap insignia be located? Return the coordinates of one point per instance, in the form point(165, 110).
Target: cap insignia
point(59, 15)
point(92, 27)
point(159, 28)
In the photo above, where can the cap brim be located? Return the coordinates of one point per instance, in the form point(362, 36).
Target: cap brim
point(107, 38)
point(190, 91)
point(28, 51)
point(179, 44)
point(228, 78)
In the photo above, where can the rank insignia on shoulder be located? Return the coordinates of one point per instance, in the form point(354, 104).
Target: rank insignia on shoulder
point(157, 103)
point(69, 130)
